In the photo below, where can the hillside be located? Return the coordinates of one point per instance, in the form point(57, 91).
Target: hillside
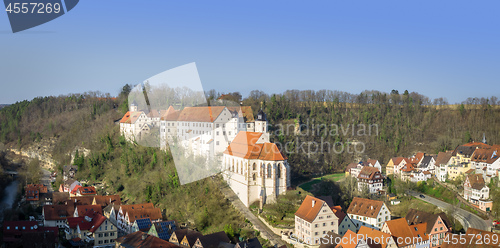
point(402, 124)
point(138, 174)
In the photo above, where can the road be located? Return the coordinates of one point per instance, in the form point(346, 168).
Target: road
point(45, 180)
point(265, 232)
point(466, 218)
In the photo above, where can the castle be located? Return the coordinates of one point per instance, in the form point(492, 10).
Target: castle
point(254, 168)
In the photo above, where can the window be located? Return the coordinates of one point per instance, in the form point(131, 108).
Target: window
point(315, 225)
point(332, 223)
point(316, 233)
point(324, 224)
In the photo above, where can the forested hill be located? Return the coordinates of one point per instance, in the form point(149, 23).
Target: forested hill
point(401, 124)
point(407, 123)
point(381, 125)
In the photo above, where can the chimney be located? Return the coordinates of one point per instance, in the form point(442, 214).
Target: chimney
point(144, 236)
point(313, 203)
point(371, 207)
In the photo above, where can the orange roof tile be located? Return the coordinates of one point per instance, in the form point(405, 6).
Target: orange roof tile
point(244, 145)
point(346, 241)
point(307, 210)
point(400, 229)
point(151, 213)
point(365, 207)
point(82, 209)
point(419, 231)
point(368, 172)
point(443, 158)
point(200, 114)
point(130, 117)
point(170, 114)
point(375, 235)
point(105, 200)
point(476, 181)
point(337, 210)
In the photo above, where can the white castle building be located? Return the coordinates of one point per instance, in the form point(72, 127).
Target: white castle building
point(254, 168)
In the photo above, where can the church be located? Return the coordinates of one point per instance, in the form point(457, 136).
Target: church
point(255, 169)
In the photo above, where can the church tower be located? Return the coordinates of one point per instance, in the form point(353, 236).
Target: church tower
point(133, 106)
point(261, 122)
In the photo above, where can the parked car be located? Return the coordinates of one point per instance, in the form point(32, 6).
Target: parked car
point(496, 222)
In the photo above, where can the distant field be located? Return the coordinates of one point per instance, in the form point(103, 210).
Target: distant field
point(308, 186)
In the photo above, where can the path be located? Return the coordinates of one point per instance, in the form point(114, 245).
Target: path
point(467, 219)
point(261, 227)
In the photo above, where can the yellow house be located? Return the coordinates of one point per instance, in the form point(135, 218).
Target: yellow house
point(461, 159)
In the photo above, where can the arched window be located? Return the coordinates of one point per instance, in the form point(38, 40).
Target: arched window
point(254, 166)
point(269, 170)
point(278, 171)
point(254, 177)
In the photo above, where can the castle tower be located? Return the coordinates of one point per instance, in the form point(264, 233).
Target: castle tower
point(133, 106)
point(261, 122)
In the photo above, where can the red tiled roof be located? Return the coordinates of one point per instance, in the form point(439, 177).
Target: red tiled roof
point(307, 211)
point(130, 117)
point(86, 190)
point(82, 200)
point(90, 221)
point(200, 114)
point(443, 158)
point(82, 209)
point(58, 212)
point(400, 229)
point(244, 145)
point(350, 166)
point(105, 200)
point(419, 230)
point(368, 173)
point(347, 240)
point(170, 114)
point(376, 235)
point(73, 192)
point(337, 210)
point(476, 181)
point(365, 207)
point(408, 167)
point(151, 213)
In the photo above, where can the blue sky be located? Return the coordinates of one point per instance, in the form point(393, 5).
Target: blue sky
point(437, 48)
